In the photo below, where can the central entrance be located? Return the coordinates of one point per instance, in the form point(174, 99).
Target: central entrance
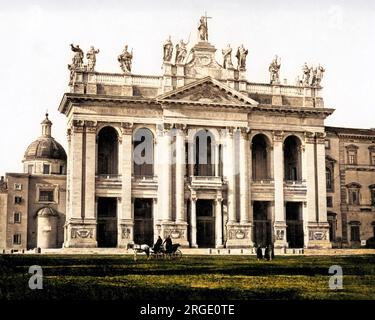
point(294, 222)
point(143, 221)
point(205, 224)
point(107, 222)
point(262, 224)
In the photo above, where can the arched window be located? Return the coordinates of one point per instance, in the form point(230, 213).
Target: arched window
point(143, 153)
point(292, 158)
point(260, 157)
point(204, 153)
point(108, 151)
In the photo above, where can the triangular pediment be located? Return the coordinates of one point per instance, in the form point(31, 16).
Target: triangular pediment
point(207, 91)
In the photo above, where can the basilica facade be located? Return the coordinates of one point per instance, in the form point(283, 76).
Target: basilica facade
point(202, 154)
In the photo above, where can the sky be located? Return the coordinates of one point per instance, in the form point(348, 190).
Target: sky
point(35, 38)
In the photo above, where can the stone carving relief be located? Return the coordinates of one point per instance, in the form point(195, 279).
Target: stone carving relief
point(319, 235)
point(82, 233)
point(280, 234)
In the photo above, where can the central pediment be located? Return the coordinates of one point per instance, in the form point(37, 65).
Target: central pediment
point(207, 91)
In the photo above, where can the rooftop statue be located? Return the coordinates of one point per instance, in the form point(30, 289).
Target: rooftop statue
point(319, 75)
point(125, 59)
point(77, 61)
point(227, 57)
point(274, 70)
point(241, 57)
point(168, 50)
point(180, 51)
point(203, 28)
point(306, 73)
point(91, 58)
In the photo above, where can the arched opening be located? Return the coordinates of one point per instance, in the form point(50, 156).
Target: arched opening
point(292, 158)
point(204, 154)
point(260, 158)
point(143, 153)
point(108, 151)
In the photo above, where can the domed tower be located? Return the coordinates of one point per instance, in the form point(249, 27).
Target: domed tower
point(45, 155)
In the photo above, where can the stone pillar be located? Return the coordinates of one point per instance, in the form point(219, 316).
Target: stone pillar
point(155, 218)
point(218, 222)
point(244, 176)
point(180, 232)
point(318, 229)
point(193, 222)
point(126, 218)
point(90, 163)
point(79, 233)
point(164, 179)
point(278, 173)
point(308, 173)
point(217, 159)
point(230, 173)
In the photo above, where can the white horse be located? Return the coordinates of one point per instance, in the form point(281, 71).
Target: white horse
point(139, 248)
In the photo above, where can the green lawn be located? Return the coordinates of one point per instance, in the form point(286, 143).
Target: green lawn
point(194, 277)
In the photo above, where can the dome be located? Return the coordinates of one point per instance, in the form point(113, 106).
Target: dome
point(45, 148)
point(46, 212)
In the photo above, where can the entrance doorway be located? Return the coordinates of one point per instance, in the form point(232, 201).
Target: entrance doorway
point(107, 222)
point(143, 221)
point(205, 224)
point(294, 222)
point(262, 223)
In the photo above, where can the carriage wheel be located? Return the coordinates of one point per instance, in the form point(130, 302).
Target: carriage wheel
point(177, 255)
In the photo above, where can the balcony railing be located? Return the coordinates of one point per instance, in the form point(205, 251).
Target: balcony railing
point(113, 177)
point(206, 182)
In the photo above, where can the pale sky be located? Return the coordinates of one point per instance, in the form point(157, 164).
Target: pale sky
point(35, 52)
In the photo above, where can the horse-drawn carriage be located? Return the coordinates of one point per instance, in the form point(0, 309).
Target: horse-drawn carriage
point(174, 254)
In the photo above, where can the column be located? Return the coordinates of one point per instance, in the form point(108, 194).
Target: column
point(125, 219)
point(164, 173)
point(244, 176)
point(278, 173)
point(230, 171)
point(180, 174)
point(308, 173)
point(76, 171)
point(155, 217)
point(90, 162)
point(217, 159)
point(321, 175)
point(193, 222)
point(218, 223)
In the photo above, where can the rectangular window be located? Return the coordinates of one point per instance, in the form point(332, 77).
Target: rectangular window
point(17, 200)
point(327, 144)
point(46, 195)
point(17, 217)
point(354, 233)
point(16, 239)
point(329, 202)
point(61, 170)
point(373, 197)
point(372, 158)
point(352, 158)
point(354, 197)
point(46, 168)
point(30, 169)
point(18, 186)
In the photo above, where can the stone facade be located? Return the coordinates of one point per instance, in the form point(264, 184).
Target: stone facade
point(198, 153)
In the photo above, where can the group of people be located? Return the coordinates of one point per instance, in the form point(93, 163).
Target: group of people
point(266, 253)
point(158, 246)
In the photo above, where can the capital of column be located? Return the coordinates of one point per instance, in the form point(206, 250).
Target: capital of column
point(127, 128)
point(278, 135)
point(229, 131)
point(320, 137)
point(163, 129)
point(181, 128)
point(244, 131)
point(309, 137)
point(90, 126)
point(77, 126)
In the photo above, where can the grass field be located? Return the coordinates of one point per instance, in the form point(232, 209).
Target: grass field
point(91, 277)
